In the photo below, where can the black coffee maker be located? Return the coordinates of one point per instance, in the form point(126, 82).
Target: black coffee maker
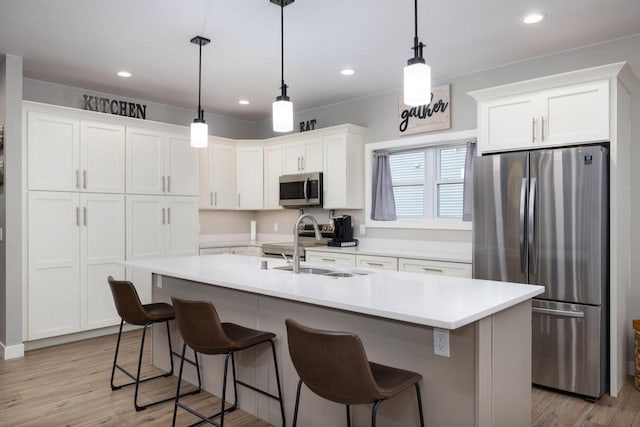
point(342, 232)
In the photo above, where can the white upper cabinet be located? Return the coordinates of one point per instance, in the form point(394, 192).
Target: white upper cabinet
point(181, 166)
point(570, 114)
point(272, 173)
point(53, 152)
point(218, 176)
point(343, 171)
point(160, 163)
point(102, 157)
point(249, 177)
point(303, 156)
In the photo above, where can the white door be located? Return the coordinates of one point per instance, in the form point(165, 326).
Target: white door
point(181, 226)
point(102, 234)
point(53, 151)
point(222, 173)
point(334, 179)
point(181, 167)
point(145, 161)
point(312, 157)
point(145, 219)
point(249, 172)
point(272, 173)
point(574, 114)
point(54, 264)
point(509, 123)
point(102, 157)
point(293, 154)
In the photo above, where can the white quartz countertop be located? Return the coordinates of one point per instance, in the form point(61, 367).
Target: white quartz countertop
point(431, 300)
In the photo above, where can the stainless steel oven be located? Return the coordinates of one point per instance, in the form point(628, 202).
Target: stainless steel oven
point(301, 190)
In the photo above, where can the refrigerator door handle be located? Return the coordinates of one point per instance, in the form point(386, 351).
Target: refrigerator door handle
point(523, 200)
point(563, 313)
point(531, 226)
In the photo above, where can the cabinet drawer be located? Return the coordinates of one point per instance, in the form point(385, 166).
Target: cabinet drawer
point(435, 267)
point(330, 258)
point(246, 250)
point(213, 251)
point(379, 262)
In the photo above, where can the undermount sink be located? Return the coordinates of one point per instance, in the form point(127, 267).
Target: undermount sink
point(321, 271)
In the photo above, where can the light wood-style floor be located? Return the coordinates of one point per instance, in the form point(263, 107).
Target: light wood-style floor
point(68, 385)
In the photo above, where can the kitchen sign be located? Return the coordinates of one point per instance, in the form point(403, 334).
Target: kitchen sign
point(426, 118)
point(114, 106)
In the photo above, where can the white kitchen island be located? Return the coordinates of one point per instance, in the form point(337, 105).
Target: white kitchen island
point(486, 380)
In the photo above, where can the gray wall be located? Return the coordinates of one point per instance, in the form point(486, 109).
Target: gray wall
point(68, 96)
point(11, 214)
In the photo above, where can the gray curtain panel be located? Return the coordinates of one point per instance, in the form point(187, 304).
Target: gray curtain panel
point(467, 201)
point(383, 205)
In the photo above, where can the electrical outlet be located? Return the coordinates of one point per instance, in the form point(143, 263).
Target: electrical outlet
point(363, 230)
point(441, 342)
point(275, 226)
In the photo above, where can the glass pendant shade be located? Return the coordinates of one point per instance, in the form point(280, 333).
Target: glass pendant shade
point(282, 116)
point(199, 134)
point(417, 84)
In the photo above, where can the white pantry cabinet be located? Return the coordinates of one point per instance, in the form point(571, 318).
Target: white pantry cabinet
point(249, 177)
point(160, 163)
point(67, 154)
point(217, 175)
point(304, 155)
point(571, 114)
point(272, 173)
point(72, 249)
point(343, 171)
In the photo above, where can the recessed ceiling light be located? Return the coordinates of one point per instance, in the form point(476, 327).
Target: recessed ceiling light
point(243, 102)
point(124, 74)
point(534, 18)
point(347, 71)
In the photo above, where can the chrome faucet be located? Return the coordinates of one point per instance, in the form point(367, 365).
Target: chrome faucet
point(296, 237)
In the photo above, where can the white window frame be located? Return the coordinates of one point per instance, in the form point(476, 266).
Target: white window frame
point(439, 139)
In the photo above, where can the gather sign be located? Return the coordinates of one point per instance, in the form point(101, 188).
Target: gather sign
point(426, 118)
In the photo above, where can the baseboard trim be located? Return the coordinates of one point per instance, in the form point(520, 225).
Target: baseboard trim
point(78, 336)
point(11, 351)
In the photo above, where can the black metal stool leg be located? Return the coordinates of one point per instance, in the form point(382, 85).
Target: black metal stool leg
point(115, 358)
point(348, 417)
point(135, 396)
point(170, 350)
point(419, 404)
point(224, 386)
point(374, 411)
point(295, 409)
point(235, 381)
point(176, 403)
point(275, 364)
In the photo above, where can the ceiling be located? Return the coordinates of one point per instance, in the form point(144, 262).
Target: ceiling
point(84, 42)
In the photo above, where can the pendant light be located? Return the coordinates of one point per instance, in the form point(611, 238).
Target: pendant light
point(199, 129)
point(417, 74)
point(283, 107)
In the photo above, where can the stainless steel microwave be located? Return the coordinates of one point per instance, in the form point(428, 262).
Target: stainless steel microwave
point(301, 190)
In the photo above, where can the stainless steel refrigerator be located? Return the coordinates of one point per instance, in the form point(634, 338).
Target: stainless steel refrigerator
point(541, 217)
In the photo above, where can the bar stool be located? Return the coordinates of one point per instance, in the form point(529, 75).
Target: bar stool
point(334, 365)
point(202, 330)
point(132, 311)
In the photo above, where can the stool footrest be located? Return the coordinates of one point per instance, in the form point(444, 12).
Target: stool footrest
point(254, 388)
point(204, 418)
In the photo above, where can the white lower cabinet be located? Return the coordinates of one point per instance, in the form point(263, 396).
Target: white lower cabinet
point(214, 251)
point(315, 257)
point(435, 267)
point(246, 250)
point(75, 241)
point(377, 262)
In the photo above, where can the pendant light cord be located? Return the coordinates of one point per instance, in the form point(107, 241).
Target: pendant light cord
point(283, 87)
point(200, 112)
point(417, 46)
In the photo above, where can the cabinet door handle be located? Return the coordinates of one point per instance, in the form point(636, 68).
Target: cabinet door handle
point(298, 162)
point(437, 270)
point(77, 178)
point(78, 216)
point(84, 215)
point(328, 259)
point(211, 198)
point(533, 130)
point(84, 178)
point(168, 215)
point(162, 216)
point(303, 162)
point(542, 129)
point(163, 184)
point(169, 184)
point(215, 198)
point(376, 264)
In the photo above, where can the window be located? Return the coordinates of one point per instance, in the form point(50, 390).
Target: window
point(428, 182)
